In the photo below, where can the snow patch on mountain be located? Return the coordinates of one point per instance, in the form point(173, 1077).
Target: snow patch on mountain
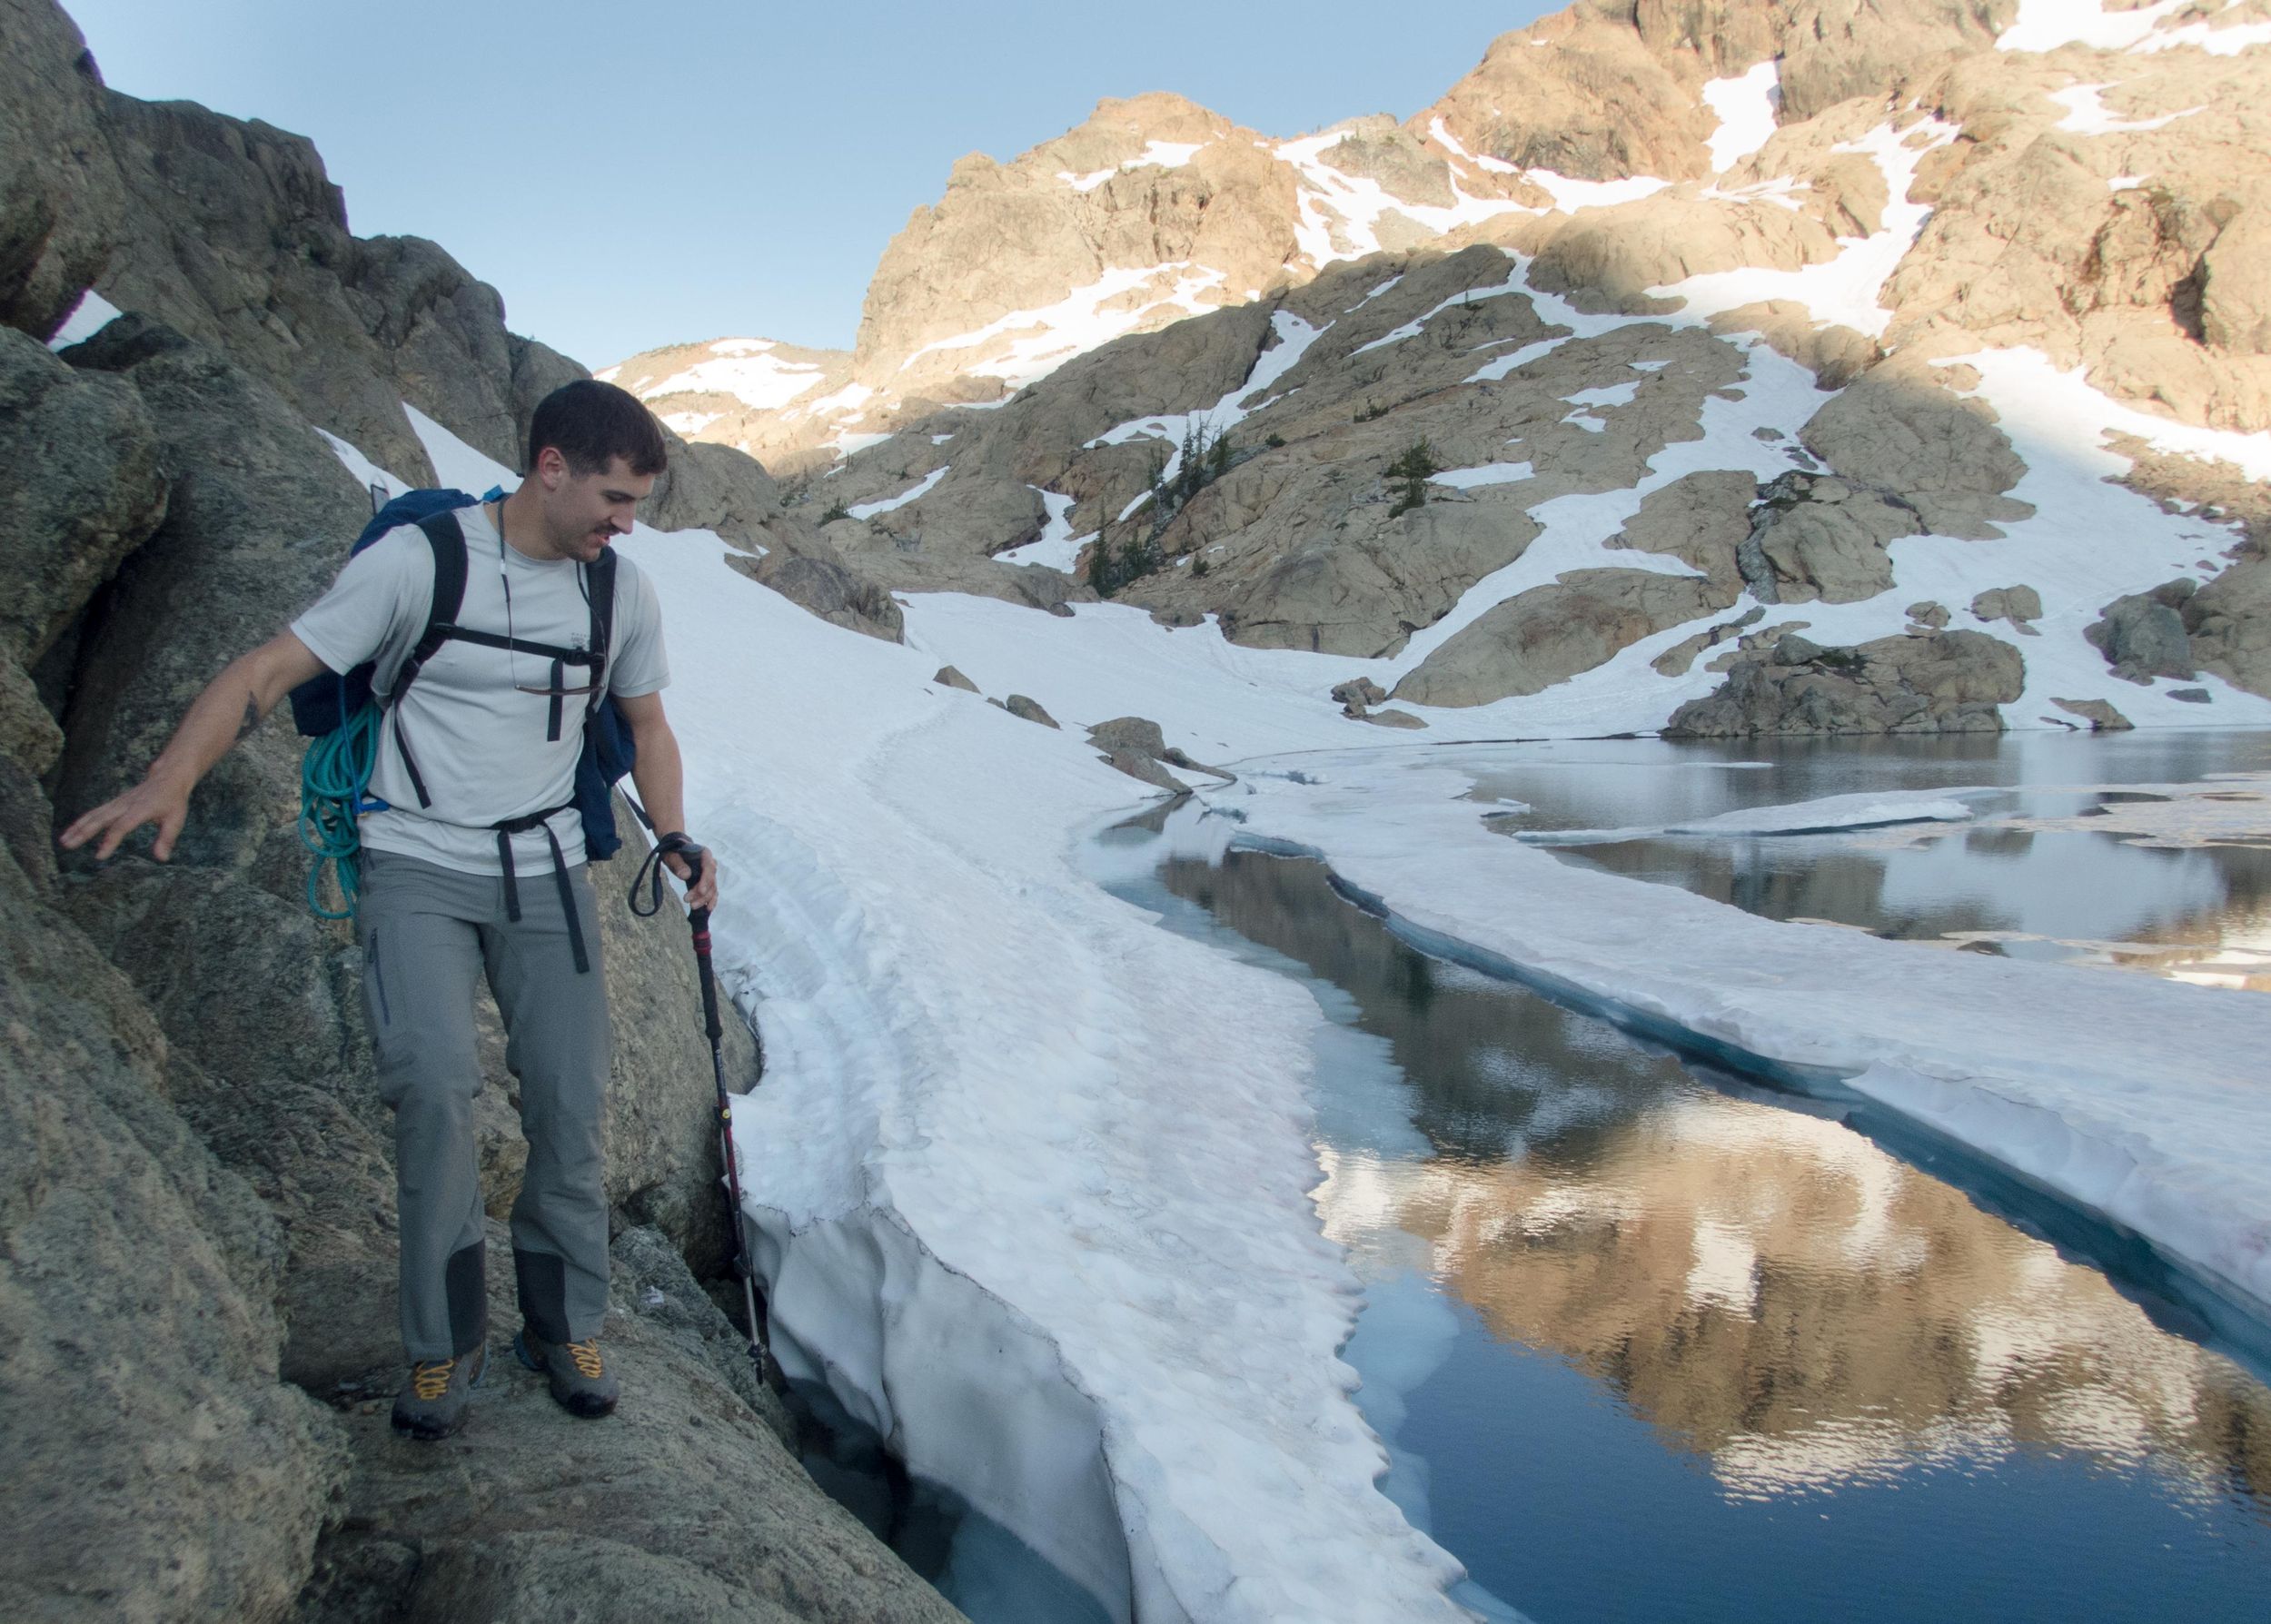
point(1845, 289)
point(1041, 339)
point(1748, 106)
point(892, 504)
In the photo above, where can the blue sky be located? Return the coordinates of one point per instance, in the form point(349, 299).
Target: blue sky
point(733, 169)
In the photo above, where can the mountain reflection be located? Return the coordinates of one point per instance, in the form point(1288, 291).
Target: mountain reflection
point(1767, 1289)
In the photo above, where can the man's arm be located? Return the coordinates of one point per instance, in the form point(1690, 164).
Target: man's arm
point(231, 706)
point(661, 776)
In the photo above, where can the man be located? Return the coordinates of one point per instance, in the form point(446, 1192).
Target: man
point(476, 867)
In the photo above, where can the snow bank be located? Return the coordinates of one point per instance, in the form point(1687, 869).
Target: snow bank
point(2141, 1100)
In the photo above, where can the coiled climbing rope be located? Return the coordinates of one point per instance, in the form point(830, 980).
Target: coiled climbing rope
point(334, 774)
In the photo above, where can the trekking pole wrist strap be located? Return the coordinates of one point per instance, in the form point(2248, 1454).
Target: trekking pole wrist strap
point(675, 843)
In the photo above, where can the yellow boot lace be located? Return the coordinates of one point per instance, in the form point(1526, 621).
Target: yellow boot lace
point(430, 1381)
point(587, 1356)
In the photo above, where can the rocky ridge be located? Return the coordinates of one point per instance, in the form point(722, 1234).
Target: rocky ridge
point(196, 1271)
point(2008, 252)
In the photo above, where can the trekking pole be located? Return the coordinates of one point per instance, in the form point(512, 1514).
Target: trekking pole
point(767, 1368)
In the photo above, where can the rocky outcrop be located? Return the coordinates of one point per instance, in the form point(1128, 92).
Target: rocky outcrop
point(1947, 682)
point(2142, 635)
point(159, 1469)
point(2101, 717)
point(1899, 429)
point(1820, 537)
point(97, 493)
point(61, 197)
point(1550, 633)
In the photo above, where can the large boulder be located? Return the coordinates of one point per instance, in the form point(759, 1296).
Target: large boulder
point(1701, 519)
point(1901, 431)
point(1821, 537)
point(84, 491)
point(2143, 635)
point(1945, 682)
point(1367, 587)
point(61, 198)
point(2227, 625)
point(1550, 633)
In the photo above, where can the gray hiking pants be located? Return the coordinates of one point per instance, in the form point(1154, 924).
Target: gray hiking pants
point(427, 932)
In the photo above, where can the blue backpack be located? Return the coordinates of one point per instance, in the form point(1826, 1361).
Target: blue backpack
point(340, 716)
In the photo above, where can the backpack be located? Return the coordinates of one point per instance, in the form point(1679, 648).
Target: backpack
point(330, 708)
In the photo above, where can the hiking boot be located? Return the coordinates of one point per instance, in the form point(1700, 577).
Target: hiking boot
point(434, 1401)
point(581, 1383)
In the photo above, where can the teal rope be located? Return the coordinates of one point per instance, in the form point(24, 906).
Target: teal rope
point(333, 776)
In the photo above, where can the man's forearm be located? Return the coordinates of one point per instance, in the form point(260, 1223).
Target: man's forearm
point(231, 706)
point(661, 776)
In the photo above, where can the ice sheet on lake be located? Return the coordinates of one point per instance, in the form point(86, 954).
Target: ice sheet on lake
point(1863, 810)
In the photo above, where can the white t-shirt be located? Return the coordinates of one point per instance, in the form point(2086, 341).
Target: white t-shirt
point(478, 742)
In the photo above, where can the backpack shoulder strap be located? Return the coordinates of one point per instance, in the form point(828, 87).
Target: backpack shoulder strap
point(446, 536)
point(599, 577)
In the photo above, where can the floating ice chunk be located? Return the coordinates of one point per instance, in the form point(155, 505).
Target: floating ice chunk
point(1867, 809)
point(915, 492)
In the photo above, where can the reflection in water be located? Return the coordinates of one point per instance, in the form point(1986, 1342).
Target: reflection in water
point(2202, 913)
point(1776, 1297)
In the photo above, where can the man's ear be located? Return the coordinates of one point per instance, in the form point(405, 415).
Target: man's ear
point(551, 467)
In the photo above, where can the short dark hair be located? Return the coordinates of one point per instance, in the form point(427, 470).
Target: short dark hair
point(592, 423)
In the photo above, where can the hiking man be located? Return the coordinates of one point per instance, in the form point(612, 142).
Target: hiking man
point(477, 770)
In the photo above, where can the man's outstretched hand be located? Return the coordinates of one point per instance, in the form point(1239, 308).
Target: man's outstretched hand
point(155, 800)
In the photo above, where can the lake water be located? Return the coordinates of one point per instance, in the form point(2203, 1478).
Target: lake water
point(1648, 1342)
point(1998, 884)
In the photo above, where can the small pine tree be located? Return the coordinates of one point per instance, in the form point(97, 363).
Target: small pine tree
point(1218, 458)
point(838, 511)
point(1199, 565)
point(1414, 468)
